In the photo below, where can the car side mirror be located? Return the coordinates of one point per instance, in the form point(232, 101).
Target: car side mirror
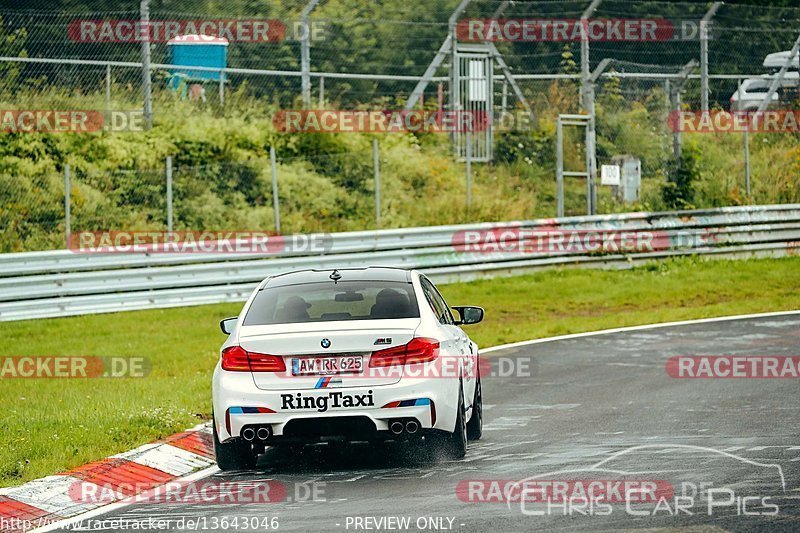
point(470, 314)
point(227, 324)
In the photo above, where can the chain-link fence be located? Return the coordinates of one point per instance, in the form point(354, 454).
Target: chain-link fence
point(223, 196)
point(643, 60)
point(397, 39)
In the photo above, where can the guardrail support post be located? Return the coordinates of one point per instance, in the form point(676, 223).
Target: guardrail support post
point(275, 204)
point(169, 194)
point(377, 173)
point(67, 228)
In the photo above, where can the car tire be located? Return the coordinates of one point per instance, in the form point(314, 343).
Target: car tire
point(456, 442)
point(475, 424)
point(234, 455)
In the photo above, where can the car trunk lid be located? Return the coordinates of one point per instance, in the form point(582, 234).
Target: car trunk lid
point(313, 351)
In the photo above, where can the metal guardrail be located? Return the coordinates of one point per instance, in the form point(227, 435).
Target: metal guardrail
point(64, 283)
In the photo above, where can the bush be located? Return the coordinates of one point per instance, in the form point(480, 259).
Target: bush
point(679, 191)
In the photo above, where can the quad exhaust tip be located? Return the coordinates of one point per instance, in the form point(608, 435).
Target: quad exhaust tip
point(397, 427)
point(248, 434)
point(263, 433)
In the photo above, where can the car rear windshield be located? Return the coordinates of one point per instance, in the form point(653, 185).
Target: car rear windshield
point(323, 302)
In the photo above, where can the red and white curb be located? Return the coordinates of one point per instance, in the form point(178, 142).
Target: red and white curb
point(48, 500)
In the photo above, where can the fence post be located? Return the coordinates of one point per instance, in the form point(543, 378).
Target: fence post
point(469, 168)
point(504, 100)
point(587, 100)
point(108, 88)
point(275, 205)
point(704, 55)
point(747, 158)
point(222, 87)
point(591, 149)
point(589, 184)
point(322, 92)
point(676, 135)
point(585, 65)
point(144, 7)
point(377, 172)
point(67, 228)
point(559, 168)
point(169, 194)
point(305, 52)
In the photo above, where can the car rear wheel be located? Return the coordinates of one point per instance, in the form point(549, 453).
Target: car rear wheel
point(455, 444)
point(234, 455)
point(475, 424)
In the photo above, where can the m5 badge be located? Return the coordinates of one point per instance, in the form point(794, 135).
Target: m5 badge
point(382, 340)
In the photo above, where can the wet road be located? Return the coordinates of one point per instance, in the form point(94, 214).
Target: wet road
point(589, 408)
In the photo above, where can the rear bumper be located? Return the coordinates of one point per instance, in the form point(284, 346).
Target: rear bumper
point(293, 415)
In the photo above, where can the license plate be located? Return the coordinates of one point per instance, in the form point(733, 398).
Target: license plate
point(325, 366)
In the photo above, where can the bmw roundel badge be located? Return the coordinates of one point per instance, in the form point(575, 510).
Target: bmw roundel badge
point(326, 343)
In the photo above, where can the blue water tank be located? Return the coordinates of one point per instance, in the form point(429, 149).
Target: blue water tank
point(197, 51)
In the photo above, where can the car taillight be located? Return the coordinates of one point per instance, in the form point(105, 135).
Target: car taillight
point(419, 350)
point(261, 362)
point(237, 359)
point(422, 350)
point(389, 357)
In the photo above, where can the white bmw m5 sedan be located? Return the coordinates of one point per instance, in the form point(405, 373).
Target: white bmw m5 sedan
point(364, 354)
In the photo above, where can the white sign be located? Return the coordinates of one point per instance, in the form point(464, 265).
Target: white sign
point(477, 80)
point(609, 175)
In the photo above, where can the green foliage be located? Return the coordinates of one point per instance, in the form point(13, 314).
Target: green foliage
point(634, 130)
point(567, 65)
point(12, 44)
point(679, 191)
point(222, 175)
point(611, 96)
point(535, 147)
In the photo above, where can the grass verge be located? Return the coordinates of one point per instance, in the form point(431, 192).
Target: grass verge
point(52, 425)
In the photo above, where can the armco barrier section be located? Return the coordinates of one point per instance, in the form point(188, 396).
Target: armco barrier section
point(64, 283)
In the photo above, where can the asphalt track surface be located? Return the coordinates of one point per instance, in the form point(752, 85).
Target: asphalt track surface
point(592, 400)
